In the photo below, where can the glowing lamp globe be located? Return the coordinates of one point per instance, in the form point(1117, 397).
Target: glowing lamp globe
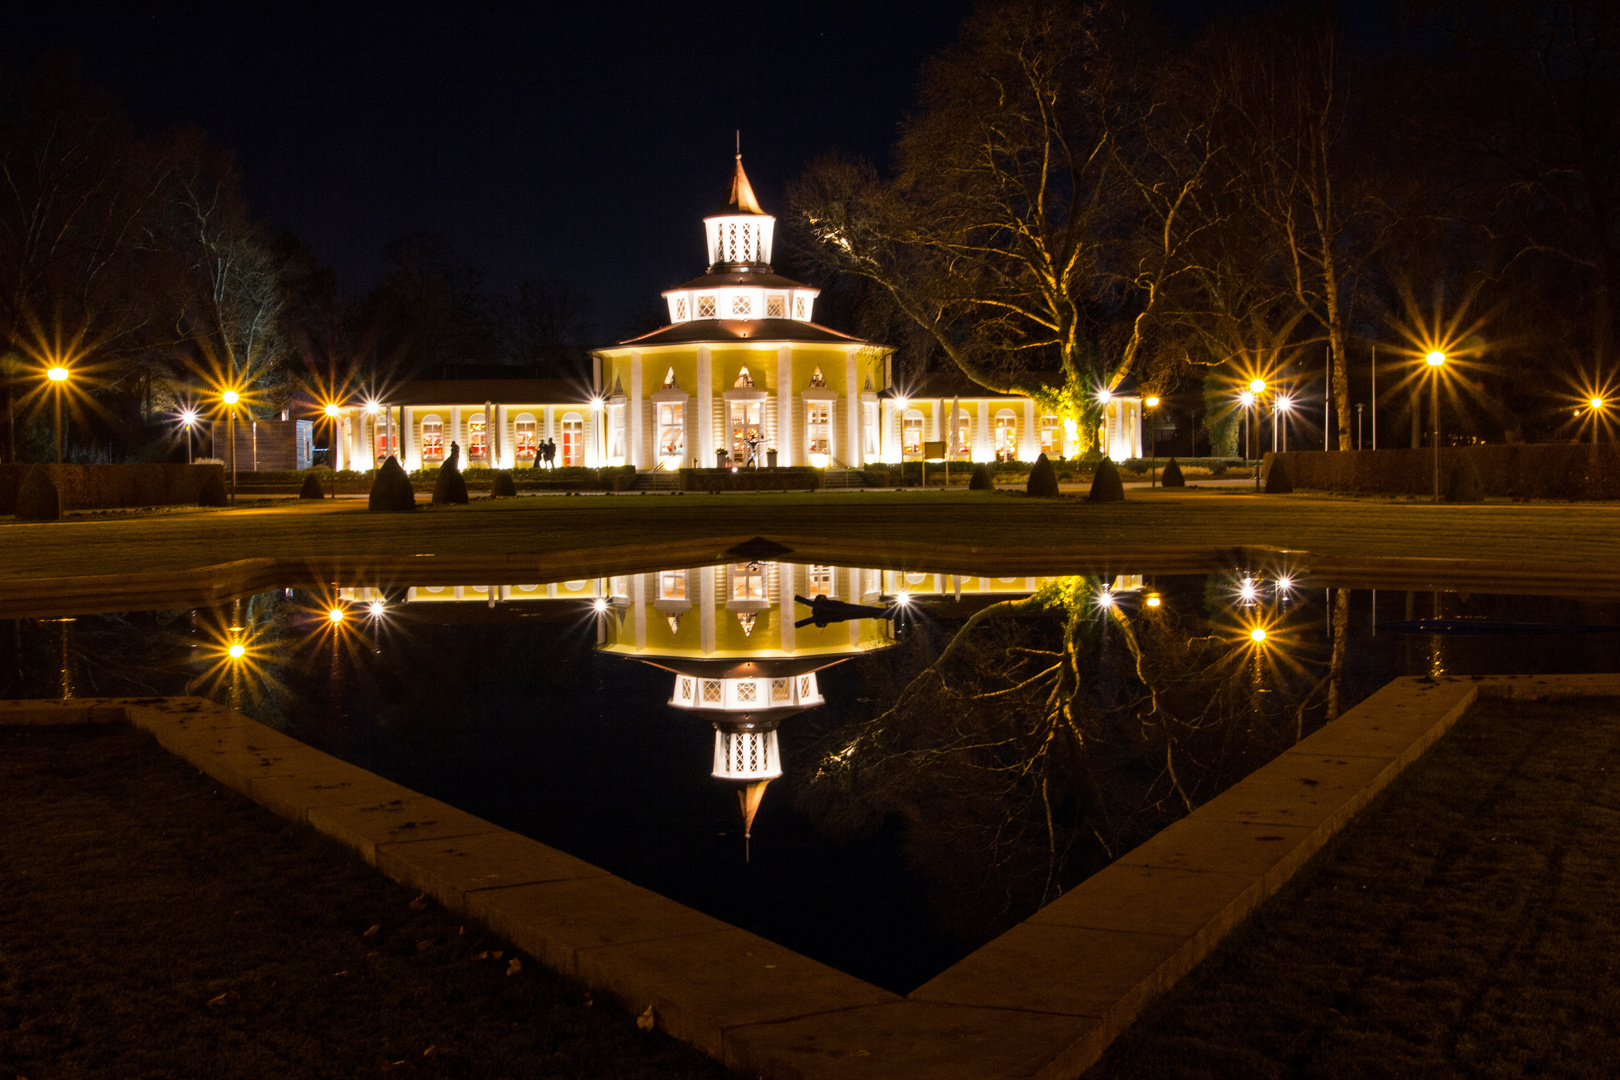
point(335, 615)
point(1152, 402)
point(1435, 359)
point(57, 374)
point(1257, 386)
point(331, 410)
point(1246, 399)
point(237, 651)
point(1258, 634)
point(1596, 403)
point(230, 397)
point(1153, 600)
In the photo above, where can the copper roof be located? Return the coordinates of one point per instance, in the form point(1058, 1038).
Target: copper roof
point(732, 330)
point(759, 279)
point(477, 391)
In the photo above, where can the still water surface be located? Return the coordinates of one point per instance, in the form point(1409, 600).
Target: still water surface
point(883, 779)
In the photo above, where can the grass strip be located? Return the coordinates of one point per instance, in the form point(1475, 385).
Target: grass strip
point(1464, 927)
point(1533, 535)
point(156, 925)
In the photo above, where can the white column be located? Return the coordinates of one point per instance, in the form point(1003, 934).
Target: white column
point(409, 452)
point(704, 448)
point(853, 412)
point(634, 426)
point(548, 424)
point(455, 436)
point(787, 449)
point(981, 447)
point(706, 601)
point(1031, 445)
point(638, 606)
point(789, 608)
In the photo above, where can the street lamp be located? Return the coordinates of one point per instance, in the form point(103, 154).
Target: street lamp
point(1104, 396)
point(58, 375)
point(230, 398)
point(1249, 397)
point(188, 420)
point(333, 412)
point(1285, 405)
point(1435, 359)
point(1597, 404)
point(1148, 405)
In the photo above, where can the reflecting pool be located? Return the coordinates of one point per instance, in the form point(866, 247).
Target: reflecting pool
point(880, 769)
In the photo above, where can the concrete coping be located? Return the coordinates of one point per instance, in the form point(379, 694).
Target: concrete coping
point(1043, 1000)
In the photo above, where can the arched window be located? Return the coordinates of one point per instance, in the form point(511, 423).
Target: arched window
point(964, 432)
point(911, 438)
point(672, 430)
point(818, 427)
point(573, 439)
point(432, 438)
point(1006, 435)
point(477, 439)
point(1050, 442)
point(526, 435)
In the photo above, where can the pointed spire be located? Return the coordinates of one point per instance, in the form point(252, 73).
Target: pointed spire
point(750, 798)
point(742, 192)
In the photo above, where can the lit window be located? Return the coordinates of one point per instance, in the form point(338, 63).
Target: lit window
point(432, 437)
point(804, 686)
point(781, 690)
point(747, 430)
point(912, 433)
point(671, 429)
point(672, 585)
point(818, 426)
point(740, 305)
point(869, 430)
point(774, 306)
point(964, 433)
point(748, 581)
point(680, 310)
point(705, 307)
point(746, 691)
point(527, 435)
point(686, 688)
point(616, 434)
point(1006, 436)
point(820, 581)
point(798, 307)
point(1049, 433)
point(711, 690)
point(477, 447)
point(573, 439)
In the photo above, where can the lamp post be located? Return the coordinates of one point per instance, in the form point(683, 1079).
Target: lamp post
point(332, 413)
point(1246, 399)
point(230, 398)
point(1598, 405)
point(1435, 359)
point(1257, 387)
point(1284, 404)
point(1148, 405)
point(188, 420)
point(58, 375)
point(600, 437)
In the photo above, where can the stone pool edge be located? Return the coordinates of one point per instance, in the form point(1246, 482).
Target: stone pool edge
point(1043, 1000)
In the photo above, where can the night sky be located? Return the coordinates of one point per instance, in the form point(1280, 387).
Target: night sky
point(584, 140)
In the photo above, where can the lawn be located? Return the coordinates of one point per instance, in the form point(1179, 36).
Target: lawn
point(1464, 927)
point(1528, 535)
point(155, 925)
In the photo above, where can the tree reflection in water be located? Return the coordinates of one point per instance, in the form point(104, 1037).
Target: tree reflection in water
point(1045, 736)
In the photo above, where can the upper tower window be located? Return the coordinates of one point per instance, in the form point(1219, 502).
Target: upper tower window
point(774, 306)
point(705, 307)
point(798, 307)
point(740, 305)
point(680, 310)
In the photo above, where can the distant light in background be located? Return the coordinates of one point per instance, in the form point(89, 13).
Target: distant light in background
point(1153, 600)
point(1284, 583)
point(1249, 591)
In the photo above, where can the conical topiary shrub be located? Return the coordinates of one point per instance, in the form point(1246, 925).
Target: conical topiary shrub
point(981, 480)
point(37, 498)
point(1172, 475)
point(314, 487)
point(450, 487)
point(1463, 485)
point(212, 491)
point(1042, 479)
point(1106, 486)
point(502, 487)
point(391, 488)
point(1278, 482)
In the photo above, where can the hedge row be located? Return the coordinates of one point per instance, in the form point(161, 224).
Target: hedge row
point(795, 478)
point(1517, 471)
point(106, 487)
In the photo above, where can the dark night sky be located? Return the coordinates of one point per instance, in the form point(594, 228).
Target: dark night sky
point(584, 140)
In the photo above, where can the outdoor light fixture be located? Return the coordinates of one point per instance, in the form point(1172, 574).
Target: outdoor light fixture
point(336, 615)
point(1246, 399)
point(600, 605)
point(57, 374)
point(1257, 386)
point(1105, 396)
point(1105, 599)
point(230, 397)
point(1434, 360)
point(1284, 583)
point(1153, 600)
point(1257, 635)
point(373, 408)
point(1596, 403)
point(376, 609)
point(1249, 591)
point(331, 410)
point(902, 598)
point(237, 650)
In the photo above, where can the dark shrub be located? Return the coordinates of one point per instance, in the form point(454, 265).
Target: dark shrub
point(212, 491)
point(37, 498)
point(981, 480)
point(391, 489)
point(1042, 479)
point(1172, 475)
point(314, 486)
point(502, 487)
point(1463, 485)
point(450, 486)
point(1106, 486)
point(1278, 482)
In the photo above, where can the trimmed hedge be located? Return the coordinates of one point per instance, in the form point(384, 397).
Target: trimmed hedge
point(37, 499)
point(1043, 482)
point(1106, 486)
point(313, 487)
point(1278, 481)
point(797, 478)
point(1172, 476)
point(502, 487)
point(981, 480)
point(1572, 471)
point(109, 487)
point(391, 490)
point(1463, 485)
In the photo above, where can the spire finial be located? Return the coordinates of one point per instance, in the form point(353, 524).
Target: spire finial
point(739, 144)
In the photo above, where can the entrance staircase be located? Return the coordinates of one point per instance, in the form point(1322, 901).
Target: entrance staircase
point(656, 480)
point(835, 476)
